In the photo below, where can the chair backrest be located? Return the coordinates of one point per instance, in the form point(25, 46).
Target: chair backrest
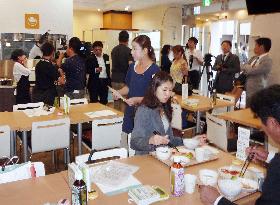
point(217, 131)
point(229, 98)
point(117, 152)
point(176, 116)
point(5, 141)
point(106, 133)
point(28, 106)
point(80, 101)
point(50, 135)
point(131, 152)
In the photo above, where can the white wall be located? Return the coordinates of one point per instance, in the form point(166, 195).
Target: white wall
point(268, 26)
point(55, 15)
point(168, 19)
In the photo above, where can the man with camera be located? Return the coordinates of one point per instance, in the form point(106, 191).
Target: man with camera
point(195, 60)
point(226, 65)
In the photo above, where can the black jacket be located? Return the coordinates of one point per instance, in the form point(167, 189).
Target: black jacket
point(91, 64)
point(225, 76)
point(271, 186)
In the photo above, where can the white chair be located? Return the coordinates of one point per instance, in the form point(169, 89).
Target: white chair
point(106, 133)
point(118, 152)
point(5, 141)
point(28, 106)
point(229, 98)
point(81, 101)
point(131, 152)
point(217, 131)
point(51, 135)
point(177, 121)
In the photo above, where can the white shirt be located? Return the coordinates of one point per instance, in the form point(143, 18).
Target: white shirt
point(20, 70)
point(195, 53)
point(257, 60)
point(101, 64)
point(35, 51)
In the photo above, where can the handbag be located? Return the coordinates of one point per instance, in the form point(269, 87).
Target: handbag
point(15, 172)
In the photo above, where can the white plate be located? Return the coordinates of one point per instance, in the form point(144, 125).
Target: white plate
point(249, 185)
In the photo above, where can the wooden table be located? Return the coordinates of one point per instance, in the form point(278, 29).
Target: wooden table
point(38, 191)
point(243, 117)
point(21, 122)
point(51, 188)
point(204, 104)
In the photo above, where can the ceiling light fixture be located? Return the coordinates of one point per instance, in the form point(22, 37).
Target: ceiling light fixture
point(127, 8)
point(98, 9)
point(207, 19)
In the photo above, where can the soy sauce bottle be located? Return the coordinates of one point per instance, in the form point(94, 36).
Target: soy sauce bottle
point(79, 191)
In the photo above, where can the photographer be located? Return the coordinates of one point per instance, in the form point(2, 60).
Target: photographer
point(226, 65)
point(195, 60)
point(74, 69)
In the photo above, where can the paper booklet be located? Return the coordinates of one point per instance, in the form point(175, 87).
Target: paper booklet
point(116, 93)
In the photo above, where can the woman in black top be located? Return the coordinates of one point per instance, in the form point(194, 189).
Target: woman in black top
point(165, 62)
point(46, 76)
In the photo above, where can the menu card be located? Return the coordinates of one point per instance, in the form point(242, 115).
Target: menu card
point(242, 142)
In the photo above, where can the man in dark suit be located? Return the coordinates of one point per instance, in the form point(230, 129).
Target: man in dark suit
point(98, 68)
point(266, 105)
point(226, 65)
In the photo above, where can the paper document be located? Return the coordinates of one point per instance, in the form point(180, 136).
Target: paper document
point(116, 93)
point(101, 113)
point(38, 112)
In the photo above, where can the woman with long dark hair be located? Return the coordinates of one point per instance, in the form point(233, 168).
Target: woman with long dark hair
point(165, 61)
point(154, 115)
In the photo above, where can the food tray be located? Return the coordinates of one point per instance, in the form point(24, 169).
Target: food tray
point(192, 162)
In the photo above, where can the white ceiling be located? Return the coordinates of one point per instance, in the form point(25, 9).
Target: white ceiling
point(106, 5)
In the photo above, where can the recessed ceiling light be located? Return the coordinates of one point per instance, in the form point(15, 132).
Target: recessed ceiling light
point(127, 8)
point(98, 9)
point(198, 18)
point(207, 20)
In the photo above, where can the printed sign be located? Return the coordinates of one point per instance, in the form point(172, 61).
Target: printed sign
point(32, 21)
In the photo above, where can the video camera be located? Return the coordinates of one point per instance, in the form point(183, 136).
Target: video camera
point(208, 59)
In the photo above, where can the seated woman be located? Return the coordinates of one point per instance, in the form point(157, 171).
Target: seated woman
point(154, 115)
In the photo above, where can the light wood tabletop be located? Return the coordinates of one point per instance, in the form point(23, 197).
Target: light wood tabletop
point(244, 117)
point(11, 119)
point(37, 191)
point(51, 188)
point(204, 103)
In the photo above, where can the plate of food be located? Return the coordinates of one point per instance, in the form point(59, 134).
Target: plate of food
point(232, 172)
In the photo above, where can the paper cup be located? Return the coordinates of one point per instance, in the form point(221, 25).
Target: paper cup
point(199, 154)
point(190, 181)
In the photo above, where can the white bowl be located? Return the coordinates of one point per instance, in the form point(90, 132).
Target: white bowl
point(230, 188)
point(191, 143)
point(183, 159)
point(208, 177)
point(163, 153)
point(249, 185)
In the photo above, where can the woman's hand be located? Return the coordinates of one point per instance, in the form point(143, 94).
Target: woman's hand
point(134, 101)
point(115, 95)
point(158, 140)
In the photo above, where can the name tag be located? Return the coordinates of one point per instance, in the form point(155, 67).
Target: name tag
point(107, 62)
point(76, 91)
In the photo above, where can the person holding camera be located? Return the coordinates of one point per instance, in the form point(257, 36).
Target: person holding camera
point(74, 69)
point(226, 65)
point(98, 68)
point(195, 60)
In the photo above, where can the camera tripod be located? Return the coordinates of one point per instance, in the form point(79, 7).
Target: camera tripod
point(208, 67)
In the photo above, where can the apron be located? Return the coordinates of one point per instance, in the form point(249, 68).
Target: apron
point(23, 92)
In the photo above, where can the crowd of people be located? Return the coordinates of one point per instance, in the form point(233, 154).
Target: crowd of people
point(148, 88)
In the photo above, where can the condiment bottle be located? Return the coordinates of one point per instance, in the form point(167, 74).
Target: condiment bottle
point(79, 191)
point(177, 178)
point(214, 97)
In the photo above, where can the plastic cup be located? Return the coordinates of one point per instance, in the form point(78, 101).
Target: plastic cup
point(190, 182)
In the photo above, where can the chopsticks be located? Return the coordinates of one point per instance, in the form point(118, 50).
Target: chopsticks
point(169, 144)
point(246, 164)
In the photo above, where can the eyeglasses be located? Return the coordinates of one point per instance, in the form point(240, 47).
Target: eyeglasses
point(9, 161)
